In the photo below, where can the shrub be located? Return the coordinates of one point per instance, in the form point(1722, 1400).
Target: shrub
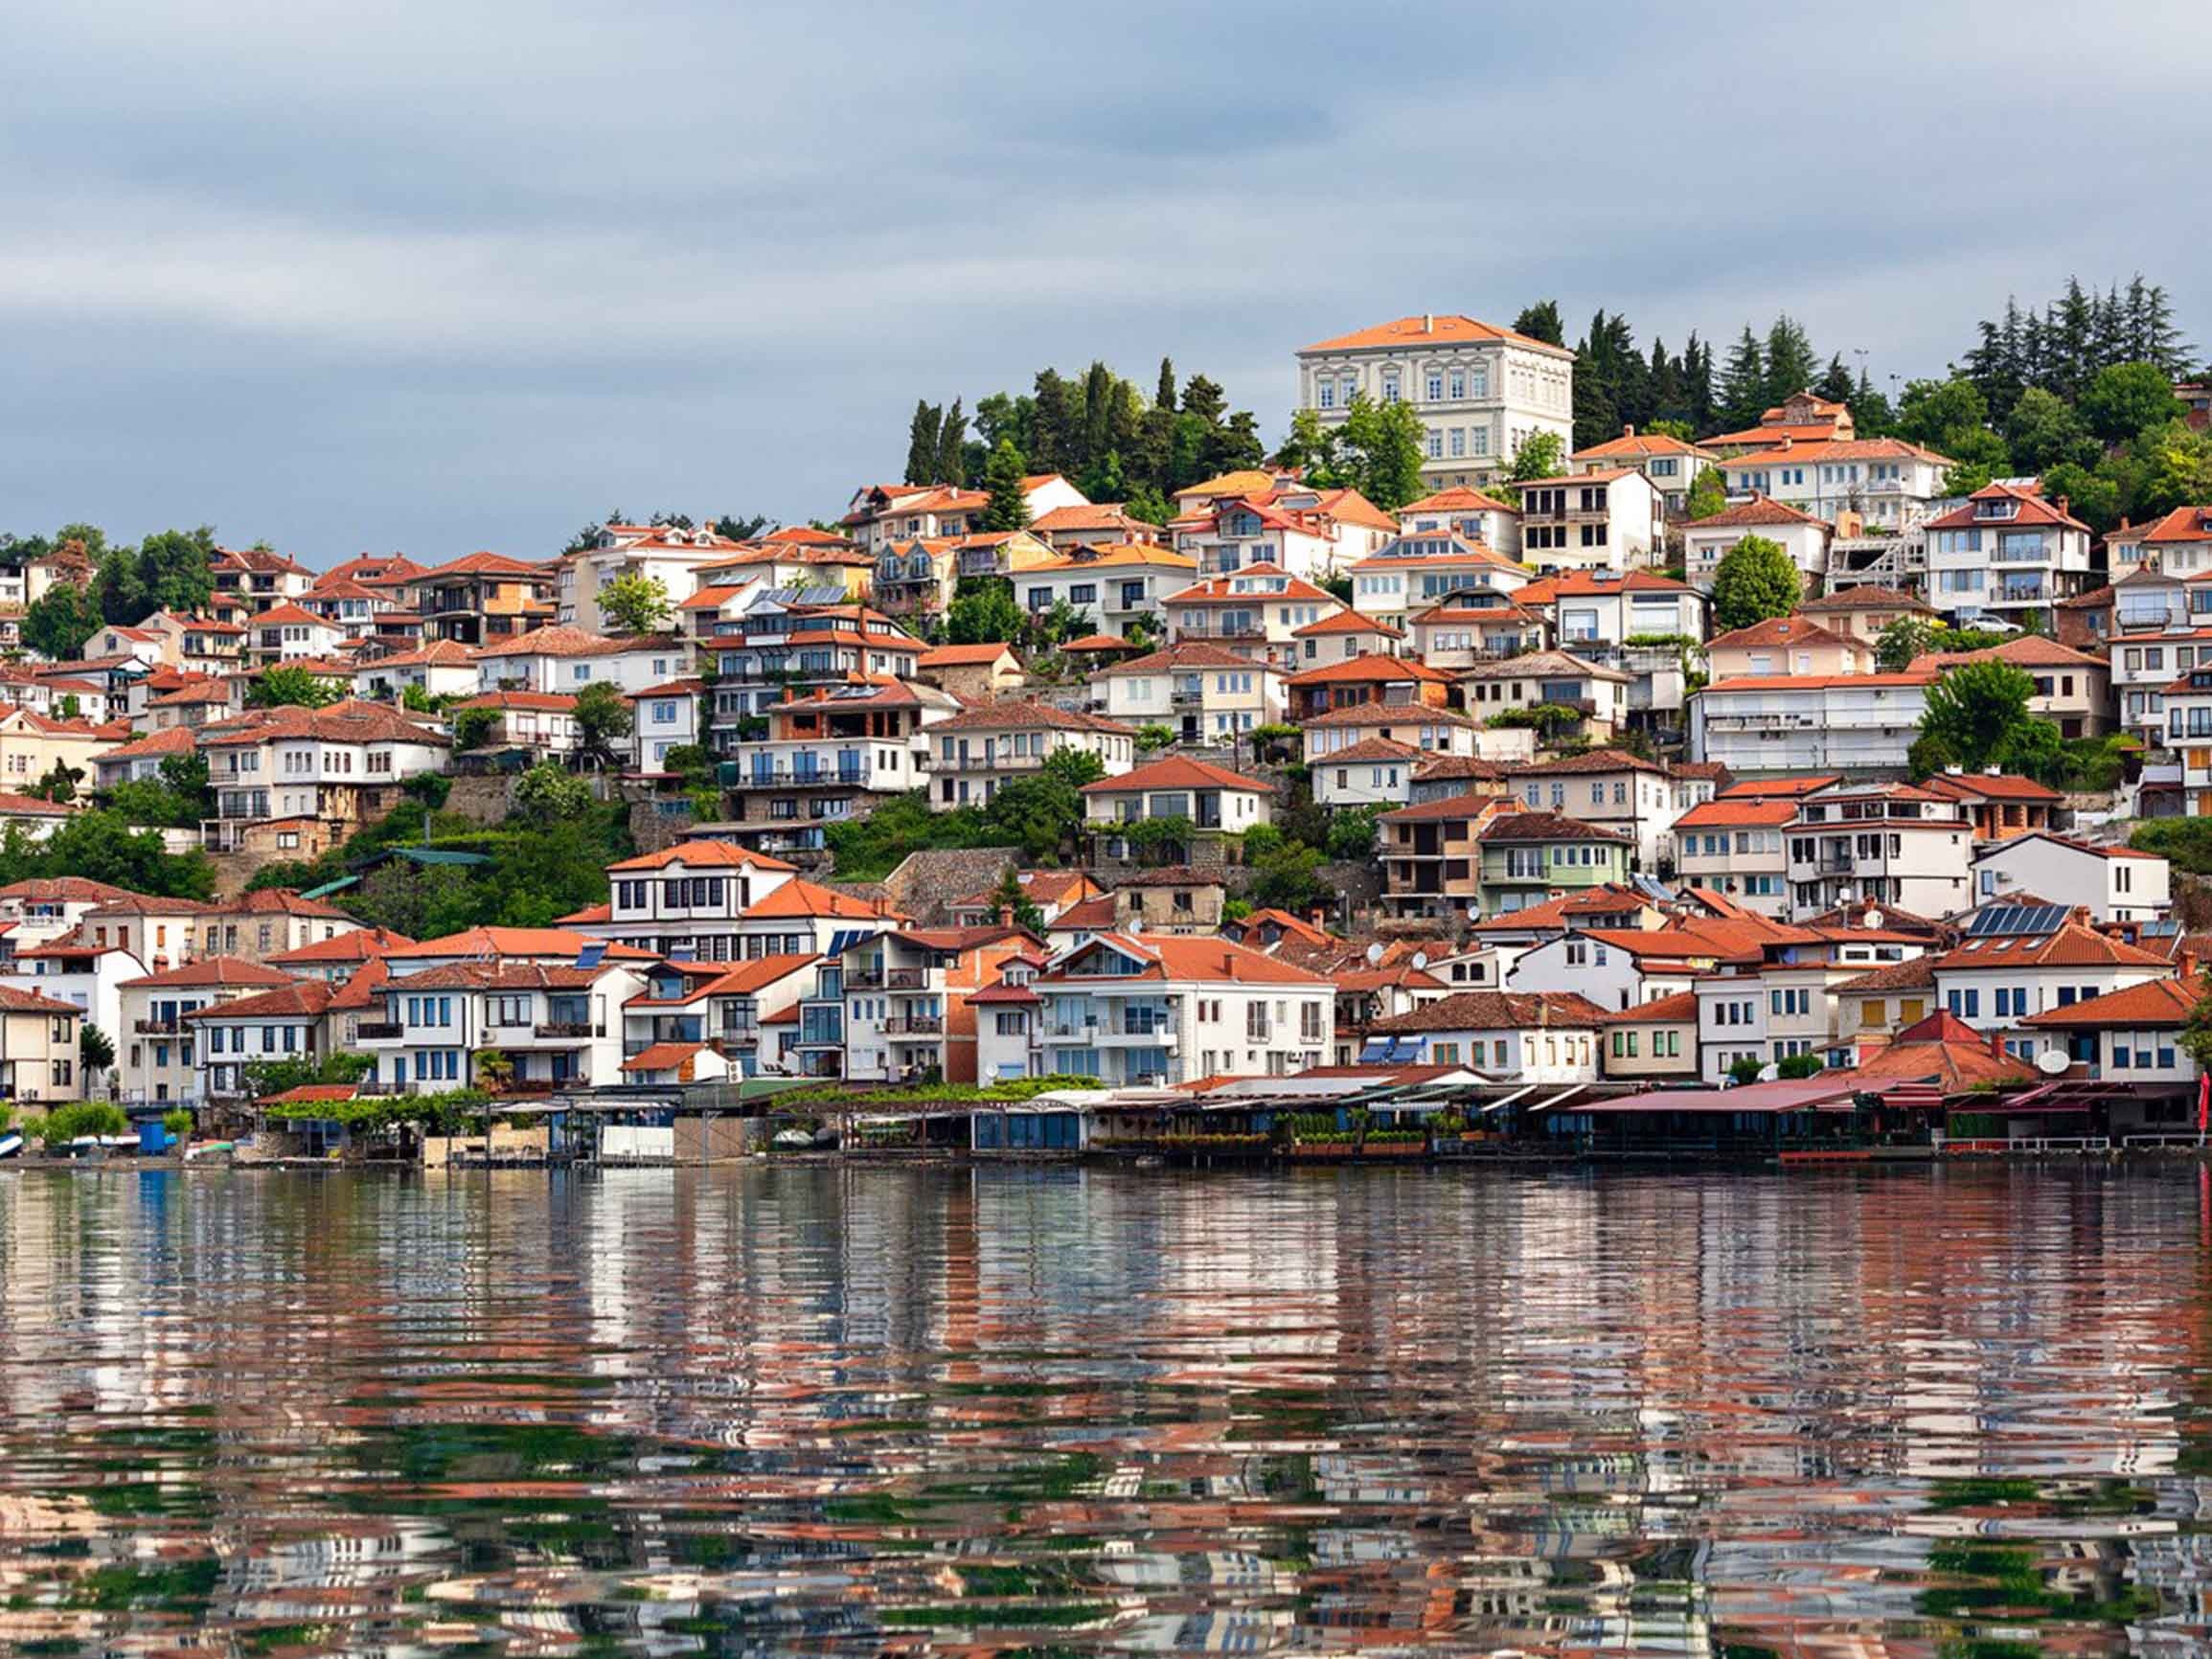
point(66, 1123)
point(177, 1123)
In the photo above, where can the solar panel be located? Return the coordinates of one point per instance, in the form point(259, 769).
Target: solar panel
point(2014, 920)
point(592, 954)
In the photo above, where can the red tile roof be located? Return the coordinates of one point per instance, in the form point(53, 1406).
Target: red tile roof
point(1496, 1011)
point(1179, 772)
point(2156, 1003)
point(1436, 328)
point(700, 855)
point(1757, 511)
point(1371, 670)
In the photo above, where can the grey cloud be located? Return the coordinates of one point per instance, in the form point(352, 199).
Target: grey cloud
point(447, 276)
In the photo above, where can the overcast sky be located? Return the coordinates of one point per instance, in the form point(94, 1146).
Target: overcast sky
point(441, 275)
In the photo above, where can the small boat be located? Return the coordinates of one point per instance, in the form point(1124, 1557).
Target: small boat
point(206, 1149)
point(11, 1143)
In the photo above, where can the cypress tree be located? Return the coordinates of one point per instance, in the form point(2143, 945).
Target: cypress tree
point(921, 443)
point(953, 448)
point(1009, 507)
point(1790, 362)
point(1742, 388)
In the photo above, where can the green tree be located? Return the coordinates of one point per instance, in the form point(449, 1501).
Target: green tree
point(923, 442)
point(1742, 391)
point(1310, 448)
point(634, 603)
point(472, 728)
point(2042, 431)
point(1155, 736)
point(983, 609)
point(1539, 455)
point(1756, 579)
point(1352, 834)
point(60, 621)
point(2166, 467)
point(1790, 363)
point(548, 793)
point(2125, 400)
point(93, 1050)
point(289, 684)
point(1003, 477)
point(602, 715)
point(1708, 494)
point(1381, 450)
point(1901, 642)
point(1288, 877)
point(1800, 1066)
point(1008, 897)
point(1542, 322)
point(1745, 1069)
point(1974, 707)
point(171, 569)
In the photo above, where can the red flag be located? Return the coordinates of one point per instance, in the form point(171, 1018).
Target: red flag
point(2203, 1102)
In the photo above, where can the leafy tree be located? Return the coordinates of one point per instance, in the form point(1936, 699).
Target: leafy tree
point(168, 571)
point(951, 447)
point(1708, 494)
point(494, 1070)
point(1745, 1069)
point(1153, 737)
point(66, 1123)
point(2197, 1032)
point(548, 793)
point(1901, 642)
point(289, 684)
point(1539, 455)
point(94, 1049)
point(1742, 392)
point(983, 609)
point(415, 700)
point(1009, 507)
point(101, 845)
point(1289, 878)
point(267, 1078)
point(2168, 466)
point(634, 603)
point(1310, 448)
point(743, 526)
point(1380, 447)
point(1974, 707)
point(1060, 623)
point(1800, 1066)
point(1352, 834)
point(472, 728)
point(1147, 503)
point(2042, 431)
point(60, 621)
point(1756, 579)
point(601, 715)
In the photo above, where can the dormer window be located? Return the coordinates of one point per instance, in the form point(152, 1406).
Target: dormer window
point(2002, 508)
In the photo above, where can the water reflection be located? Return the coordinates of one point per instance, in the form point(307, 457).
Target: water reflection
point(1004, 1410)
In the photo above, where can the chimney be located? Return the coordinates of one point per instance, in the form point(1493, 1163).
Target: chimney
point(2063, 504)
point(1006, 915)
point(1428, 322)
point(1996, 1044)
point(2188, 964)
point(1627, 431)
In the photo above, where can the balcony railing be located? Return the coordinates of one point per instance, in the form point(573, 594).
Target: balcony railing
point(157, 1027)
point(864, 979)
point(915, 1025)
point(908, 978)
point(377, 1031)
point(800, 776)
point(569, 1028)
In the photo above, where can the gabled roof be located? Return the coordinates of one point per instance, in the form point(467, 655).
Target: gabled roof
point(287, 614)
point(503, 942)
point(474, 564)
point(1681, 1006)
point(2072, 945)
point(1223, 590)
point(2028, 508)
point(1991, 787)
point(1371, 669)
point(1591, 761)
point(1497, 1010)
point(800, 898)
point(2182, 524)
point(1916, 974)
point(1450, 806)
point(1459, 498)
point(1178, 957)
point(1346, 622)
point(1538, 665)
point(560, 640)
point(1190, 654)
point(1780, 630)
point(1633, 445)
point(1014, 714)
point(1757, 511)
point(1374, 714)
point(2023, 651)
point(1945, 1050)
point(2156, 1003)
point(359, 944)
point(700, 855)
point(439, 654)
point(1865, 597)
point(1509, 826)
point(301, 996)
point(968, 656)
point(212, 970)
point(1179, 772)
point(1742, 813)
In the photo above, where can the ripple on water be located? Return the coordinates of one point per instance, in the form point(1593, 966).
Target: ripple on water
point(1049, 1411)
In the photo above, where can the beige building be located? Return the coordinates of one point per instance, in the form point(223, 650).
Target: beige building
point(1654, 1041)
point(975, 753)
point(1480, 391)
point(1788, 644)
point(1201, 692)
point(978, 672)
point(155, 1051)
point(1865, 611)
point(39, 1048)
point(33, 744)
point(2073, 690)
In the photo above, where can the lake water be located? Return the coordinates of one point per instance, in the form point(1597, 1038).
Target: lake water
point(1049, 1411)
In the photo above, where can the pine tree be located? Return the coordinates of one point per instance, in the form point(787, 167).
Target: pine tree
point(1542, 322)
point(1668, 399)
point(921, 443)
point(1052, 434)
point(1742, 388)
point(1790, 364)
point(1098, 411)
point(1698, 384)
point(1009, 507)
point(1836, 384)
point(1164, 396)
point(953, 448)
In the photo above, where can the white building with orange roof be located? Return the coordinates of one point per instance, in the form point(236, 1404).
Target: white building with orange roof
point(1883, 482)
point(832, 753)
point(686, 900)
point(1255, 611)
point(352, 607)
point(907, 1013)
point(2176, 543)
point(2115, 883)
point(1865, 611)
point(555, 1026)
point(720, 1010)
point(1051, 891)
point(2073, 690)
point(879, 514)
point(1112, 585)
point(667, 554)
point(1346, 634)
point(1707, 541)
point(1000, 553)
point(1672, 464)
point(1314, 534)
point(1161, 1009)
point(1890, 843)
point(1788, 644)
point(1374, 771)
point(33, 744)
point(1202, 693)
point(2007, 553)
point(1209, 802)
point(1092, 525)
point(1740, 849)
point(441, 669)
point(1467, 512)
point(340, 957)
point(1427, 730)
point(1479, 390)
point(139, 758)
point(1801, 416)
point(1792, 723)
point(978, 751)
point(663, 717)
point(197, 644)
point(311, 774)
point(1422, 569)
point(482, 598)
point(1474, 628)
point(290, 632)
point(1995, 982)
point(567, 659)
point(1610, 518)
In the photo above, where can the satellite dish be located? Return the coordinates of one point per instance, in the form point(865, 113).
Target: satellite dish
point(2051, 1062)
point(1374, 956)
point(1420, 959)
point(1767, 1074)
point(1474, 913)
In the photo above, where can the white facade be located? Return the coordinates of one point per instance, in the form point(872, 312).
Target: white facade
point(2116, 883)
point(1818, 724)
point(1888, 483)
point(1610, 520)
point(1480, 391)
point(1114, 589)
point(1891, 843)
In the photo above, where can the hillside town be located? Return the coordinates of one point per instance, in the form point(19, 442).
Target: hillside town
point(1635, 789)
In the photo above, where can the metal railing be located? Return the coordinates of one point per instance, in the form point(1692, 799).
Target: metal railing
point(914, 1025)
point(568, 1027)
point(908, 978)
point(376, 1031)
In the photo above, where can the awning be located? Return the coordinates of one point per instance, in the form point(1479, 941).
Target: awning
point(1775, 1099)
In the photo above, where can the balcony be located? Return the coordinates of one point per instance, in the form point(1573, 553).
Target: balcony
point(864, 979)
point(158, 1027)
point(800, 776)
point(377, 1031)
point(1085, 1029)
point(914, 1025)
point(568, 1027)
point(907, 979)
